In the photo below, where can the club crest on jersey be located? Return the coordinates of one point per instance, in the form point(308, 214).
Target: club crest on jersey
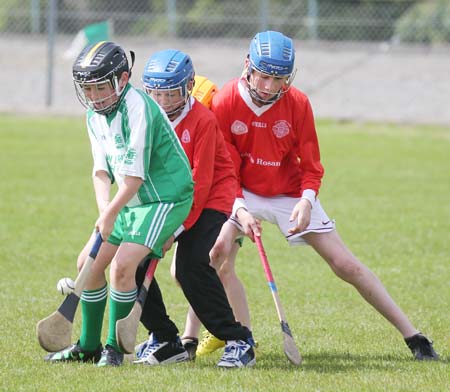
point(281, 128)
point(130, 157)
point(119, 141)
point(186, 136)
point(239, 128)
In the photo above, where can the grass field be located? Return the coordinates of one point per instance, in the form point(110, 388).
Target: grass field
point(388, 187)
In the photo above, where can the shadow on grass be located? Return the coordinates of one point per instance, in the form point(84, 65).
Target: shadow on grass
point(332, 362)
point(323, 362)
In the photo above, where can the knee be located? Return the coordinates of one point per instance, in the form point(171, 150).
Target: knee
point(79, 264)
point(219, 252)
point(80, 261)
point(97, 270)
point(121, 273)
point(347, 268)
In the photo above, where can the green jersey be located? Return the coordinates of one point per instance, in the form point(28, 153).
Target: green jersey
point(137, 140)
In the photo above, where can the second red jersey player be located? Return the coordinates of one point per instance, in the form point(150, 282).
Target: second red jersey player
point(169, 78)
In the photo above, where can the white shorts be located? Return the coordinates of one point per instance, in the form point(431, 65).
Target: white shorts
point(278, 209)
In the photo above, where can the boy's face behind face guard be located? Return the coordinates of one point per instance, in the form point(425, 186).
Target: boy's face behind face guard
point(265, 88)
point(100, 74)
point(171, 100)
point(100, 96)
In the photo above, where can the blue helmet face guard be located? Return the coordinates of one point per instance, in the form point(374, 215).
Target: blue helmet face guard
point(168, 77)
point(271, 54)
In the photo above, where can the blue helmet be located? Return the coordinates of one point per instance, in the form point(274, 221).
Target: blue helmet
point(168, 69)
point(272, 53)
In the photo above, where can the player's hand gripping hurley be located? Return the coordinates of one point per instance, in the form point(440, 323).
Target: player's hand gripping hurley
point(126, 328)
point(55, 331)
point(290, 348)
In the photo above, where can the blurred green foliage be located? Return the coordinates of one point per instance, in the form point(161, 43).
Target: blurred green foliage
point(426, 23)
point(330, 20)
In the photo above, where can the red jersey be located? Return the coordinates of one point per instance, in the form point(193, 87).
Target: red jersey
point(275, 147)
point(212, 168)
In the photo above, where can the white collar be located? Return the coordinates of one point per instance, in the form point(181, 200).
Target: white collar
point(187, 108)
point(245, 95)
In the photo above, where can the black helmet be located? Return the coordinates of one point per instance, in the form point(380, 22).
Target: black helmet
point(99, 64)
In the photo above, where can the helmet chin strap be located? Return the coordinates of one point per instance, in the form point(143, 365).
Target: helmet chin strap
point(254, 94)
point(179, 109)
point(117, 86)
point(133, 57)
point(174, 113)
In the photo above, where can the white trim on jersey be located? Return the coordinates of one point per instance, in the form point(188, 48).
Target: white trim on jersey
point(243, 90)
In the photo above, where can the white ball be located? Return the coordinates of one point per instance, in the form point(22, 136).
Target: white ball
point(65, 286)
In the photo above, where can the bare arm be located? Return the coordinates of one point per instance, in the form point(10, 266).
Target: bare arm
point(102, 186)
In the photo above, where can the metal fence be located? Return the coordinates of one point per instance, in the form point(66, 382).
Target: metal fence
point(366, 59)
point(425, 21)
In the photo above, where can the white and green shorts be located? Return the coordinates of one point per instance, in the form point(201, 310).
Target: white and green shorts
point(149, 224)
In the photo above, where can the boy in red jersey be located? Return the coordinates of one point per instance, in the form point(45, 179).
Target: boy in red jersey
point(270, 126)
point(169, 78)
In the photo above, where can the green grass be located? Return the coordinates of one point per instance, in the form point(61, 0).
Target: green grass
point(387, 187)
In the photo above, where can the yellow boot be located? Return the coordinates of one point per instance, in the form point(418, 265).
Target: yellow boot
point(209, 344)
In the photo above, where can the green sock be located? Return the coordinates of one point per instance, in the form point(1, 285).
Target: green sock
point(93, 303)
point(120, 304)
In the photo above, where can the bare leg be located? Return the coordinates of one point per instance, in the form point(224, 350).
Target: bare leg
point(234, 288)
point(235, 293)
point(223, 258)
point(192, 326)
point(124, 265)
point(223, 245)
point(346, 266)
point(97, 277)
point(173, 266)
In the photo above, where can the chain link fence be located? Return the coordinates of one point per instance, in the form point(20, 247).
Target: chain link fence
point(331, 20)
point(350, 53)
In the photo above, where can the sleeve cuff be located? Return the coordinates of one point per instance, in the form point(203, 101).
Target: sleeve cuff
point(239, 202)
point(309, 195)
point(178, 231)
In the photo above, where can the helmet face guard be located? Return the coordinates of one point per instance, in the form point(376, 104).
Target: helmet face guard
point(172, 98)
point(101, 96)
point(272, 55)
point(168, 78)
point(258, 94)
point(96, 74)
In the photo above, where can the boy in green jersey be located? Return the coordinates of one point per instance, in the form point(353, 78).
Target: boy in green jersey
point(134, 145)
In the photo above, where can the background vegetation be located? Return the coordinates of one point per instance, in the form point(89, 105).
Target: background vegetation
point(411, 21)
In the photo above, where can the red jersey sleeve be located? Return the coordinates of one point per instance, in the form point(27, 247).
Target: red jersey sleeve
point(203, 156)
point(221, 106)
point(308, 150)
